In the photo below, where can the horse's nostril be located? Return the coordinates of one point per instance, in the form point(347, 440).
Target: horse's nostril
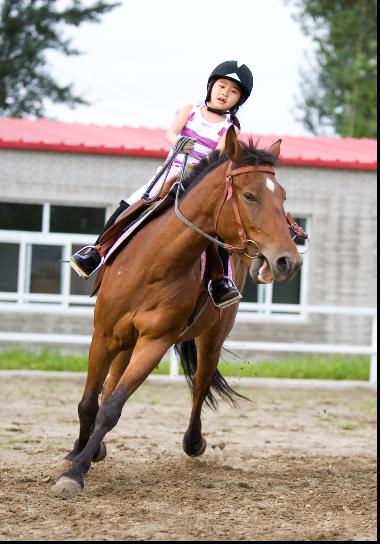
point(285, 264)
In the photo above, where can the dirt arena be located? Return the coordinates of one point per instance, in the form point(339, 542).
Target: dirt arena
point(295, 464)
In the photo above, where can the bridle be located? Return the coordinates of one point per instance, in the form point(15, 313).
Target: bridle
point(229, 195)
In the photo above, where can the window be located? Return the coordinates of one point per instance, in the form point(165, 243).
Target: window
point(77, 285)
point(76, 220)
point(265, 299)
point(251, 291)
point(289, 292)
point(37, 239)
point(35, 242)
point(45, 269)
point(20, 216)
point(9, 268)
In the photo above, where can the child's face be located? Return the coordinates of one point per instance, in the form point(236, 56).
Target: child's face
point(225, 94)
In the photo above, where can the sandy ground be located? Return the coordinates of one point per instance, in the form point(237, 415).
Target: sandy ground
point(295, 464)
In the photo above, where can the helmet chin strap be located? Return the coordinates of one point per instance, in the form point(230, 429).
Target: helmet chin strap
point(218, 112)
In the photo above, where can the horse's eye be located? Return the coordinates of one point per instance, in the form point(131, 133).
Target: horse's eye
point(250, 197)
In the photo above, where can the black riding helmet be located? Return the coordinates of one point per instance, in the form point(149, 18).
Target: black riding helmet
point(241, 75)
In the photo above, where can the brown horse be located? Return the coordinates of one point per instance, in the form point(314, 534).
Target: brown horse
point(151, 289)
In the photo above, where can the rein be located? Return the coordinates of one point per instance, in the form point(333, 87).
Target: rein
point(178, 149)
point(229, 194)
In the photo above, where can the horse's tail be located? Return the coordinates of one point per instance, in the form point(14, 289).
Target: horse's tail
point(187, 352)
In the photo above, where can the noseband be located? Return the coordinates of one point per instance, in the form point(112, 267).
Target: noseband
point(229, 195)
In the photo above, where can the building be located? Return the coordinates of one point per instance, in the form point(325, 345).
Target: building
point(59, 182)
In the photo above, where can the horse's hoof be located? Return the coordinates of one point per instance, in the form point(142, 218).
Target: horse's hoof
point(101, 453)
point(66, 488)
point(195, 449)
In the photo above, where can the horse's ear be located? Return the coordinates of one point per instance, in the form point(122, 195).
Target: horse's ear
point(275, 149)
point(232, 147)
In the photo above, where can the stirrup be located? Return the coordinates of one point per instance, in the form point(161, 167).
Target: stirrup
point(227, 303)
point(78, 270)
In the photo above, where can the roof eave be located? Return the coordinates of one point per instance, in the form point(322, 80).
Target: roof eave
point(162, 153)
point(84, 149)
point(333, 164)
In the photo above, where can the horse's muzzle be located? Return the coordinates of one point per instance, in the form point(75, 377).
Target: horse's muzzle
point(282, 268)
point(285, 266)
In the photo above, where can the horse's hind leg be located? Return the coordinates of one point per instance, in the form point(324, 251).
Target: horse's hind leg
point(209, 346)
point(98, 366)
point(118, 366)
point(208, 353)
point(147, 354)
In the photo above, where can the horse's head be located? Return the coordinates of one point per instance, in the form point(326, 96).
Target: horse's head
point(260, 203)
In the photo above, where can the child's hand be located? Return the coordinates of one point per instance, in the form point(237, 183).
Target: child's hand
point(188, 146)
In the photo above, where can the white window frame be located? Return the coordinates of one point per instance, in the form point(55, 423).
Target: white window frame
point(22, 298)
point(249, 312)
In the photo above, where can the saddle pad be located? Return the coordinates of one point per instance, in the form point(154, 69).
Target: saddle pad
point(132, 229)
point(139, 222)
point(154, 210)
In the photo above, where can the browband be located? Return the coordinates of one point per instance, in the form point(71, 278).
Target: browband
point(231, 171)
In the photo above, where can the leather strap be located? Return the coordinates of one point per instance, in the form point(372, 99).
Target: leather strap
point(248, 169)
point(110, 236)
point(265, 169)
point(230, 195)
point(214, 263)
point(167, 186)
point(295, 227)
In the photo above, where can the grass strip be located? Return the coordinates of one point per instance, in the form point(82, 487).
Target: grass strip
point(307, 367)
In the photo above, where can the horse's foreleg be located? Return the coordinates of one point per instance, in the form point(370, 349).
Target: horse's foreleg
point(208, 358)
point(98, 366)
point(146, 355)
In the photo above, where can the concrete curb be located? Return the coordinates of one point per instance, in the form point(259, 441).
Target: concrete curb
point(234, 382)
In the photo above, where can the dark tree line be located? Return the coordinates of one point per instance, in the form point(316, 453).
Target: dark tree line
point(28, 29)
point(339, 91)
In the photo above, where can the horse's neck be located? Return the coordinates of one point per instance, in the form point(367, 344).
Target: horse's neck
point(199, 207)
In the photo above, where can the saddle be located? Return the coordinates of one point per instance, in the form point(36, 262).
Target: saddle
point(133, 219)
point(131, 215)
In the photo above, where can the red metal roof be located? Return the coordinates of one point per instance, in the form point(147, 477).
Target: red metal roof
point(42, 134)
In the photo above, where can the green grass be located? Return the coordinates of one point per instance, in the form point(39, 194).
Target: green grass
point(307, 367)
point(18, 359)
point(310, 367)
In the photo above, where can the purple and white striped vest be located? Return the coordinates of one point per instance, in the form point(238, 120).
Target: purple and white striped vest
point(206, 134)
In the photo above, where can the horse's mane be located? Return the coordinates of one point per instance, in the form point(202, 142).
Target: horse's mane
point(251, 156)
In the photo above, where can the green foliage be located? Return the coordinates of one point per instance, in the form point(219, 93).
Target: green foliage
point(339, 90)
point(28, 29)
point(307, 367)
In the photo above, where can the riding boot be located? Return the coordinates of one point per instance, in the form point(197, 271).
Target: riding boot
point(84, 265)
point(224, 291)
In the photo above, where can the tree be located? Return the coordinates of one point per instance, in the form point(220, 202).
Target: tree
point(340, 90)
point(28, 29)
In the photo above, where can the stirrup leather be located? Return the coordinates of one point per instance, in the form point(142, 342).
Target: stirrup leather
point(227, 303)
point(78, 270)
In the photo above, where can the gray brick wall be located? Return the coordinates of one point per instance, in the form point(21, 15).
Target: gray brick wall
point(71, 177)
point(340, 203)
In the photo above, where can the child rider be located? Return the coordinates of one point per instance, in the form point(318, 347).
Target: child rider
point(228, 87)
